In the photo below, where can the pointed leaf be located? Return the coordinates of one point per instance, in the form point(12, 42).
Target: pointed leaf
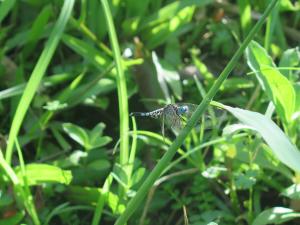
point(278, 88)
point(43, 173)
point(280, 144)
point(77, 133)
point(95, 137)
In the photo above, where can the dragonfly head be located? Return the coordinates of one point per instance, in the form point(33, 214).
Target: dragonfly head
point(182, 110)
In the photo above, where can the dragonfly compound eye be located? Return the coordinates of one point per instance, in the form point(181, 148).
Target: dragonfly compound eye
point(182, 109)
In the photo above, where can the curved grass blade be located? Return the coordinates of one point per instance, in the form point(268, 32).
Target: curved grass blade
point(37, 75)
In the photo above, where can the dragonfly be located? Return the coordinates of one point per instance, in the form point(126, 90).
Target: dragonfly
point(173, 115)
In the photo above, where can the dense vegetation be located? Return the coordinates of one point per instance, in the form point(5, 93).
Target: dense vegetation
point(71, 73)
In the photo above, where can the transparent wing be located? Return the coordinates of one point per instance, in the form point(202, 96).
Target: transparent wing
point(171, 119)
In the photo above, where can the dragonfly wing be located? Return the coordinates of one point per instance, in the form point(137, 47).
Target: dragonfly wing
point(171, 119)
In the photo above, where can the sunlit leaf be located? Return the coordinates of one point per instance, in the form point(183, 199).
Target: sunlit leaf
point(292, 192)
point(277, 140)
point(77, 133)
point(278, 88)
point(43, 173)
point(96, 139)
point(276, 215)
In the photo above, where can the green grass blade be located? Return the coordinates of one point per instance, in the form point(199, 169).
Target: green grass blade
point(121, 86)
point(8, 170)
point(163, 163)
point(102, 200)
point(27, 198)
point(270, 28)
point(245, 18)
point(37, 75)
point(5, 7)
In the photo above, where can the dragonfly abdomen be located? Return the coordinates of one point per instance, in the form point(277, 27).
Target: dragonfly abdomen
point(154, 114)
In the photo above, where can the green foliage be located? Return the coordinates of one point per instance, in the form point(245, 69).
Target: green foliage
point(71, 71)
point(87, 139)
point(281, 146)
point(41, 173)
point(278, 88)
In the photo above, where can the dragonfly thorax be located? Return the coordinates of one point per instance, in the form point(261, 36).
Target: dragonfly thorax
point(182, 110)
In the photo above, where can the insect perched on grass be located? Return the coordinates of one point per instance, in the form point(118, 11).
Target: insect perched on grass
point(173, 115)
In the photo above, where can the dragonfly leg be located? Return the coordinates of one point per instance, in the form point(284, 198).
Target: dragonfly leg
point(176, 123)
point(163, 126)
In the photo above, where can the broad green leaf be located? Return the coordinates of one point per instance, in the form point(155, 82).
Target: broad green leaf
point(278, 88)
point(276, 215)
point(279, 143)
point(42, 173)
point(77, 133)
point(99, 142)
point(95, 137)
point(97, 130)
point(292, 192)
point(282, 93)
